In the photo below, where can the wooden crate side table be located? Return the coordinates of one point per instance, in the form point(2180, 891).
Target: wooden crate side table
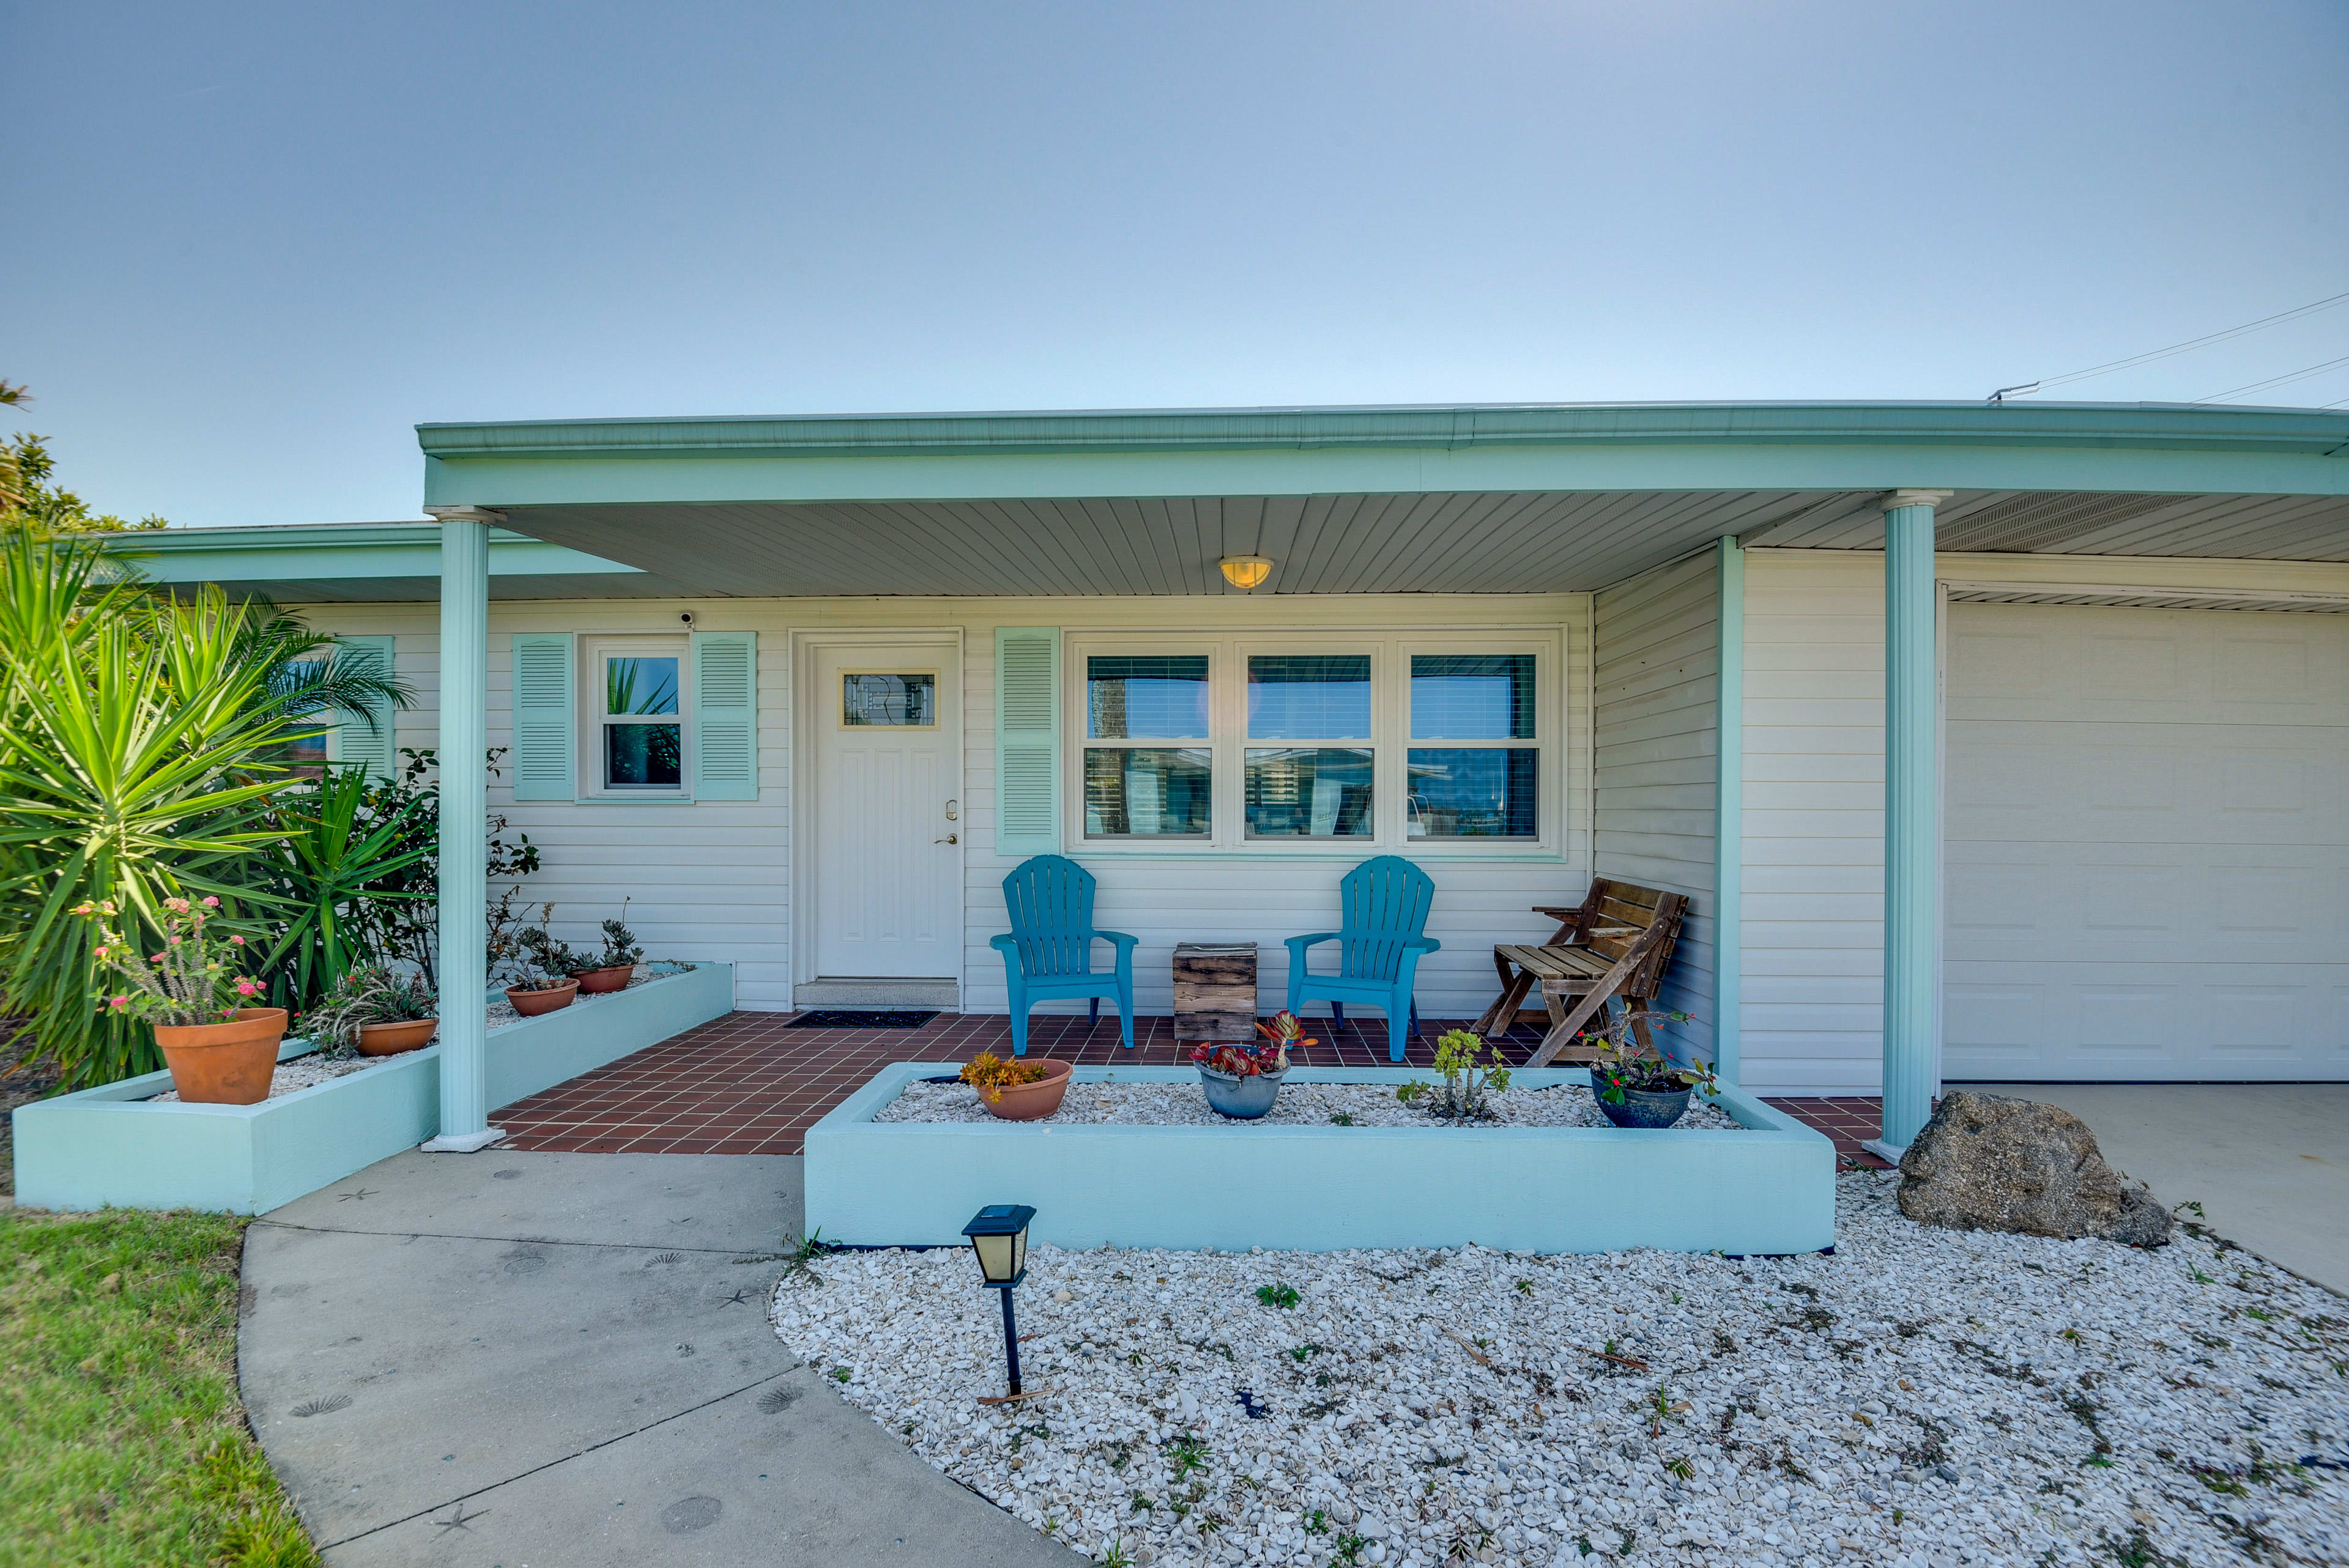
point(1214, 993)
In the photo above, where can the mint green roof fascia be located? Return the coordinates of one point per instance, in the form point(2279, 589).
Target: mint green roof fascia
point(2084, 447)
point(313, 551)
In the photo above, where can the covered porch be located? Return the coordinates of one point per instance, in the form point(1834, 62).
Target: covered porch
point(1661, 509)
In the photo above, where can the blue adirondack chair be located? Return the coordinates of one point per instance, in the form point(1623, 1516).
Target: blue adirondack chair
point(1049, 952)
point(1383, 909)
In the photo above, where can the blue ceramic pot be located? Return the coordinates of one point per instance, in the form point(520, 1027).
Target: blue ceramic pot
point(1242, 1099)
point(1641, 1107)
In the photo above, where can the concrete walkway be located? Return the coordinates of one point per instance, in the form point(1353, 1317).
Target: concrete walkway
point(503, 1360)
point(2267, 1162)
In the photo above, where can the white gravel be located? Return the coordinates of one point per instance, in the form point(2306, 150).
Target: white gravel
point(1298, 1104)
point(314, 1068)
point(1921, 1399)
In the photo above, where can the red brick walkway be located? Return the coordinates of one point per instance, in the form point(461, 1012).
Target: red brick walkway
point(747, 1083)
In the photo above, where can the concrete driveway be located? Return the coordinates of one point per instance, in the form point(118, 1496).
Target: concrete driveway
point(499, 1359)
point(2267, 1162)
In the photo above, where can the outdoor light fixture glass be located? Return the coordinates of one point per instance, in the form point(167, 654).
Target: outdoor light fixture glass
point(999, 1239)
point(1245, 571)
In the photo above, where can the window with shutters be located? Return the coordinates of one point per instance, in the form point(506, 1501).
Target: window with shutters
point(1341, 742)
point(638, 703)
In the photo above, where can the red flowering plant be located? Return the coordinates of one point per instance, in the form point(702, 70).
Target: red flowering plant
point(1282, 1033)
point(195, 979)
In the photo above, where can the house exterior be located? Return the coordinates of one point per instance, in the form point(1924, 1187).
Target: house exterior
point(1989, 741)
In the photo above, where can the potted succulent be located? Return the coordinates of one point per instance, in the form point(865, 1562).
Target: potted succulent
point(379, 1013)
point(222, 1049)
point(1017, 1090)
point(1242, 1081)
point(617, 964)
point(543, 968)
point(1635, 1085)
point(1468, 1079)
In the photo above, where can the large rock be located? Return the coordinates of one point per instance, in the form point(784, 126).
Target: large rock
point(1988, 1162)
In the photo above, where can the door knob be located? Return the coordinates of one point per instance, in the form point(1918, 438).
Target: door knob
point(949, 839)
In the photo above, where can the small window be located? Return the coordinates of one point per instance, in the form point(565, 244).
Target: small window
point(1146, 698)
point(1489, 788)
point(904, 701)
point(642, 722)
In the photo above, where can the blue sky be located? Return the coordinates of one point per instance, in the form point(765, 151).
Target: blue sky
point(251, 245)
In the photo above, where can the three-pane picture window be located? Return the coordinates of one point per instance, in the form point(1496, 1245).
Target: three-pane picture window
point(1359, 742)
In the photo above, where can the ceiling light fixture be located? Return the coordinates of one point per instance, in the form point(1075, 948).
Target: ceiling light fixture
point(1245, 571)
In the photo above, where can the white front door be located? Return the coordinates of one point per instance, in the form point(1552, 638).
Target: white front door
point(887, 721)
point(2148, 844)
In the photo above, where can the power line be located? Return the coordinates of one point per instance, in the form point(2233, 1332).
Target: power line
point(2277, 380)
point(2026, 389)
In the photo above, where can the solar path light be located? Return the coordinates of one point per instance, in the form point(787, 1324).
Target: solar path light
point(999, 1238)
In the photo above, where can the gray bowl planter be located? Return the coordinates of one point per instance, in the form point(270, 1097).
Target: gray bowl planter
point(1241, 1098)
point(1644, 1108)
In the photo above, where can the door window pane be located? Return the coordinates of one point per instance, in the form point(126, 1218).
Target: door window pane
point(1311, 696)
point(1471, 697)
point(1149, 698)
point(1308, 792)
point(1475, 794)
point(642, 755)
point(639, 686)
point(900, 701)
point(1146, 793)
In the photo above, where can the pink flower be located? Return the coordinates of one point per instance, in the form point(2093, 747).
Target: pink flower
point(247, 988)
point(237, 941)
point(211, 904)
point(98, 952)
point(118, 1002)
point(157, 959)
point(174, 941)
point(85, 907)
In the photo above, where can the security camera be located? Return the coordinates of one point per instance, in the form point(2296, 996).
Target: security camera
point(687, 617)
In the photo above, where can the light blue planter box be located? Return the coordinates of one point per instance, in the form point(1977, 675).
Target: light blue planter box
point(1767, 1187)
point(110, 1146)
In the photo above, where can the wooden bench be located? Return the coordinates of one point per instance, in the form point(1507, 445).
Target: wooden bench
point(1613, 948)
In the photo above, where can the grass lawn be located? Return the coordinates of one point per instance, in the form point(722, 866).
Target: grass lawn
point(121, 1439)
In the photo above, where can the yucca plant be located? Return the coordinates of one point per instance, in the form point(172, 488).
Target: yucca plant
point(138, 743)
point(334, 857)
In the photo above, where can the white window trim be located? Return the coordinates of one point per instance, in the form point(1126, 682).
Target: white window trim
point(1227, 742)
point(594, 649)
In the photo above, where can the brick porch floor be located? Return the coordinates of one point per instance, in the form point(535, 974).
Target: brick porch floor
point(747, 1083)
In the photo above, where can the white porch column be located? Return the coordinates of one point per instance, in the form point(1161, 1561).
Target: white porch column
point(1911, 824)
point(464, 833)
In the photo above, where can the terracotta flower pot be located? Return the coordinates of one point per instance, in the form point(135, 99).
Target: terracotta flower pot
point(595, 982)
point(390, 1040)
point(1030, 1101)
point(228, 1063)
point(530, 1003)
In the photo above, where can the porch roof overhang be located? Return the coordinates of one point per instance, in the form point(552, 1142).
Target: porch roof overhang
point(1471, 500)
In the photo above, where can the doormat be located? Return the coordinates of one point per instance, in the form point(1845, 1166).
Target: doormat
point(861, 1018)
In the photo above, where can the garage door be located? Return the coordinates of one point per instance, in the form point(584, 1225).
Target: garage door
point(2147, 822)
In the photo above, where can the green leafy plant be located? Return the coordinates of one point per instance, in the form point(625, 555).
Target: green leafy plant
point(1283, 1297)
point(1186, 1452)
point(1472, 1071)
point(333, 858)
point(140, 740)
point(620, 947)
point(1625, 1064)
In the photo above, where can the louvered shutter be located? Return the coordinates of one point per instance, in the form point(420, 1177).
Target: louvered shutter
point(725, 715)
point(364, 737)
point(1027, 740)
point(545, 716)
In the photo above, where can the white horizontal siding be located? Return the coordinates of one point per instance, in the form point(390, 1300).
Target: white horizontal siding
point(713, 880)
point(1812, 1020)
point(1657, 745)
